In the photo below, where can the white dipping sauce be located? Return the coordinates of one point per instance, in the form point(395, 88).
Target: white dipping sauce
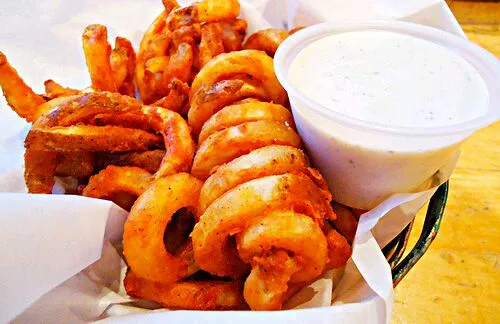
point(382, 78)
point(390, 78)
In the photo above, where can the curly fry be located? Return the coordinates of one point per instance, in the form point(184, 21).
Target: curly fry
point(177, 137)
point(75, 164)
point(211, 43)
point(157, 64)
point(177, 98)
point(339, 251)
point(127, 86)
point(18, 95)
point(121, 185)
point(118, 61)
point(170, 5)
point(215, 10)
point(236, 114)
point(148, 160)
point(151, 35)
point(346, 223)
point(149, 218)
point(97, 55)
point(283, 247)
point(66, 128)
point(233, 34)
point(211, 98)
point(266, 40)
point(228, 144)
point(91, 138)
point(195, 295)
point(250, 202)
point(263, 162)
point(55, 90)
point(39, 169)
point(251, 62)
point(179, 65)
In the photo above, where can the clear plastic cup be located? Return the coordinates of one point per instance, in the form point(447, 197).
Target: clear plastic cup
point(364, 163)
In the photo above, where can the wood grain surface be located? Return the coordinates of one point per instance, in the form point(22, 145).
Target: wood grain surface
point(458, 279)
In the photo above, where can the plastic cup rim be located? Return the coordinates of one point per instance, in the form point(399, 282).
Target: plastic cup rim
point(482, 60)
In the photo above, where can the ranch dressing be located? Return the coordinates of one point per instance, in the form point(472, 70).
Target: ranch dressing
point(389, 78)
point(383, 78)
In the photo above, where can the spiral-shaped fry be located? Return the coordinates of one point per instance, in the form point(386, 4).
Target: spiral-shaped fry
point(106, 122)
point(144, 230)
point(264, 209)
point(121, 185)
point(183, 39)
point(160, 253)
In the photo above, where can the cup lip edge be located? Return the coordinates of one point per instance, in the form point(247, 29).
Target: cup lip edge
point(459, 45)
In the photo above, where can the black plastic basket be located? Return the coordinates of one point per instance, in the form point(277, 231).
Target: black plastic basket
point(396, 248)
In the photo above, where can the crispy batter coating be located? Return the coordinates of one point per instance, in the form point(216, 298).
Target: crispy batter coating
point(194, 295)
point(97, 55)
point(234, 115)
point(115, 182)
point(266, 40)
point(228, 144)
point(144, 229)
point(18, 94)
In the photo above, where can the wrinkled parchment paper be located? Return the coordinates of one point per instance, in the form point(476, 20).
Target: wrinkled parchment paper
point(58, 254)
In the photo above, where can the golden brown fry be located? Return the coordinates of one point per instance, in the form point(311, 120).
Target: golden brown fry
point(215, 10)
point(211, 43)
point(91, 138)
point(84, 107)
point(254, 63)
point(148, 160)
point(177, 138)
point(211, 98)
point(263, 162)
point(234, 115)
point(180, 17)
point(157, 64)
point(67, 128)
point(247, 204)
point(152, 34)
point(186, 34)
point(52, 104)
point(128, 85)
point(282, 247)
point(114, 183)
point(233, 34)
point(143, 243)
point(233, 142)
point(118, 60)
point(346, 223)
point(97, 55)
point(179, 65)
point(18, 95)
point(170, 5)
point(194, 295)
point(339, 251)
point(39, 169)
point(266, 40)
point(75, 164)
point(160, 45)
point(55, 90)
point(177, 98)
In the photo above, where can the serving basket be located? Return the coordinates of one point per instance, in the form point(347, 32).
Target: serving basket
point(395, 250)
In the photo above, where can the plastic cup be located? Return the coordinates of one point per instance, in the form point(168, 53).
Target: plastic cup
point(364, 163)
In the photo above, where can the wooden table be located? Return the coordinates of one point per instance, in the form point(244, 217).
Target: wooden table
point(458, 279)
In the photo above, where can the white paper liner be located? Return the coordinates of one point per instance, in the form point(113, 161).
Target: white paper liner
point(47, 242)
